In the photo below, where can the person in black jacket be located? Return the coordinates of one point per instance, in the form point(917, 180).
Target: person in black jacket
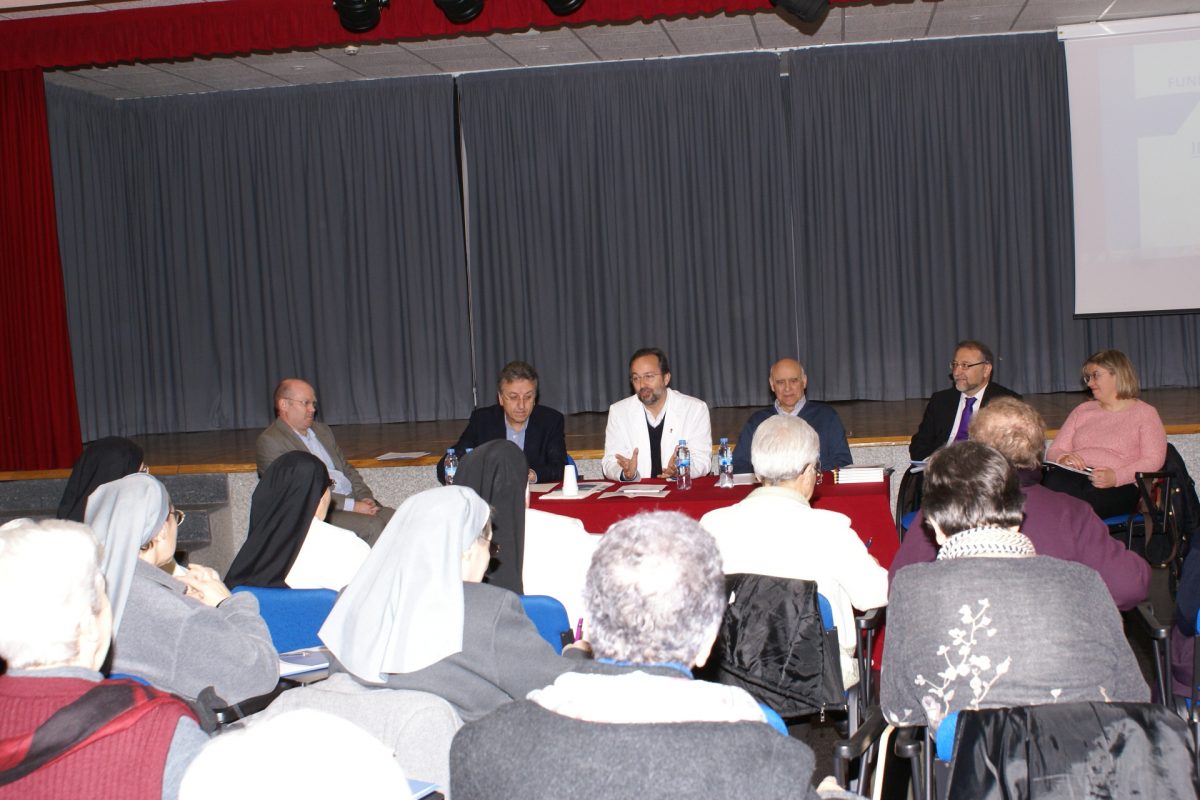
point(949, 411)
point(537, 430)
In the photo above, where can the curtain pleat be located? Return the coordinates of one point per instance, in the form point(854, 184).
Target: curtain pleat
point(629, 205)
point(214, 244)
point(39, 423)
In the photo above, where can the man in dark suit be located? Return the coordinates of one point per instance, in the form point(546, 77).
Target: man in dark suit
point(949, 411)
point(537, 430)
point(295, 428)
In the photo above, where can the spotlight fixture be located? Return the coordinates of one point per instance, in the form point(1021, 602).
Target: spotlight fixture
point(564, 8)
point(460, 12)
point(359, 16)
point(806, 10)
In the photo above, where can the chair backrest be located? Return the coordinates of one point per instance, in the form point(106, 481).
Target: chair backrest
point(1072, 750)
point(777, 644)
point(549, 616)
point(293, 616)
point(417, 726)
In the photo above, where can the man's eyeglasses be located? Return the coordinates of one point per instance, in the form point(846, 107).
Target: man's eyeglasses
point(178, 515)
point(646, 378)
point(954, 365)
point(306, 403)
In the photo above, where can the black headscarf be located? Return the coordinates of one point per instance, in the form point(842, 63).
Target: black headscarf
point(281, 512)
point(498, 472)
point(103, 461)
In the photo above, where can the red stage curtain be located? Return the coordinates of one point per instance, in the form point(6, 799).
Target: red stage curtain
point(243, 26)
point(40, 428)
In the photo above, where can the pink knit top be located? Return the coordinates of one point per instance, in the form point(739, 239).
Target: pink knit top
point(1126, 441)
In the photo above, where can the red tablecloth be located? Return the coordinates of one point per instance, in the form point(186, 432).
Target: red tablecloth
point(868, 505)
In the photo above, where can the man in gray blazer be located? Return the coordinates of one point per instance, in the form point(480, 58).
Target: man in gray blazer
point(354, 507)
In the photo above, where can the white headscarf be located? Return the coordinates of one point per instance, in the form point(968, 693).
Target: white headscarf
point(404, 609)
point(124, 515)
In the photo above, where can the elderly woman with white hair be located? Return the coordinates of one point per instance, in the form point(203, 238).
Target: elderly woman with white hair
point(64, 731)
point(180, 634)
point(634, 723)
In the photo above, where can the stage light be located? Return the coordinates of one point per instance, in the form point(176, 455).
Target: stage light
point(806, 10)
point(359, 16)
point(460, 11)
point(564, 8)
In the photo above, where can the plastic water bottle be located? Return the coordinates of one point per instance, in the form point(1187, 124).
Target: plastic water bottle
point(683, 466)
point(724, 465)
point(451, 462)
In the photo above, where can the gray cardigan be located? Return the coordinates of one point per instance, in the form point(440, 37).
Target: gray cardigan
point(994, 632)
point(503, 657)
point(181, 645)
point(523, 750)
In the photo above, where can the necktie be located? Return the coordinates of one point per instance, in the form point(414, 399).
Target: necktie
point(961, 436)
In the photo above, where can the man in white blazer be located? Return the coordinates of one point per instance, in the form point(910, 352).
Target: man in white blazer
point(645, 428)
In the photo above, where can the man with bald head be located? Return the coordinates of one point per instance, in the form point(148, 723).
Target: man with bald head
point(788, 383)
point(296, 428)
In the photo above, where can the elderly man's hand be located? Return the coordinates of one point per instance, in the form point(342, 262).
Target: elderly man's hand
point(368, 507)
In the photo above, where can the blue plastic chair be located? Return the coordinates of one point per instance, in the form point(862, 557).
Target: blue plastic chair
point(549, 616)
point(293, 616)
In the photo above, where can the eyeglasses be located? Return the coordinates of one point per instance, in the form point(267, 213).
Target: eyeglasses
point(178, 515)
point(1094, 375)
point(306, 403)
point(954, 365)
point(644, 378)
point(816, 465)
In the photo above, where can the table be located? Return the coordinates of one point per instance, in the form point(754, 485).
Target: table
point(868, 505)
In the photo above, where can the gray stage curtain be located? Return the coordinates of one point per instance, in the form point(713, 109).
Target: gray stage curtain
point(617, 206)
point(212, 244)
point(931, 183)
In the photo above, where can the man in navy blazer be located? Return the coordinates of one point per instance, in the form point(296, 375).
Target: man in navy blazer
point(537, 430)
point(971, 370)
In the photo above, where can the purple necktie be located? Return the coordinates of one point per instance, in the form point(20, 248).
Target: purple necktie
point(961, 436)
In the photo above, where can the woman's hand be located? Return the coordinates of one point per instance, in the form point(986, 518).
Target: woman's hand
point(204, 585)
point(1103, 478)
point(1073, 461)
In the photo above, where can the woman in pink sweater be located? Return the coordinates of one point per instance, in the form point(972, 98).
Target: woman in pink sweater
point(1112, 436)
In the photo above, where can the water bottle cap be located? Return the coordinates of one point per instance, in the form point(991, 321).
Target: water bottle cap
point(724, 440)
point(449, 451)
point(683, 441)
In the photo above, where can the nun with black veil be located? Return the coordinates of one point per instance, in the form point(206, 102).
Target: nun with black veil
point(417, 617)
point(289, 543)
point(102, 461)
point(498, 473)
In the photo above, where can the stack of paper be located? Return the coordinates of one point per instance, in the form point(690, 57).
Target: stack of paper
point(872, 473)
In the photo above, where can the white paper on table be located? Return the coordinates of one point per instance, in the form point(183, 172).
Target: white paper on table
point(402, 456)
point(590, 487)
point(557, 494)
point(643, 491)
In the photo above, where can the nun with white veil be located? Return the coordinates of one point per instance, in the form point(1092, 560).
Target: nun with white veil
point(181, 634)
point(417, 617)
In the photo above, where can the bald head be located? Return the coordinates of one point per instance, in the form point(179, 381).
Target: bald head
point(788, 383)
point(296, 403)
